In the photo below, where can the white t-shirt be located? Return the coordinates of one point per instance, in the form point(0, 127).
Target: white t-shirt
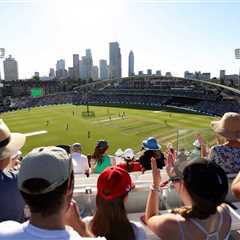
point(137, 228)
point(11, 230)
point(80, 163)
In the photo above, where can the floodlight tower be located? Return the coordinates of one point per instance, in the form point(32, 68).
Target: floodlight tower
point(237, 56)
point(2, 54)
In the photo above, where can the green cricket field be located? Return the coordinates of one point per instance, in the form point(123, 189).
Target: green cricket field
point(121, 127)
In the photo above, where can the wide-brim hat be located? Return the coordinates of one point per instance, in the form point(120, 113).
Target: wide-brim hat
point(228, 126)
point(10, 143)
point(151, 144)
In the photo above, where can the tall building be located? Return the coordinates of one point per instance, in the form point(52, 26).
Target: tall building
point(168, 74)
point(86, 65)
point(71, 73)
point(60, 65)
point(10, 69)
point(158, 73)
point(89, 63)
point(83, 68)
point(94, 74)
point(103, 69)
point(52, 73)
point(115, 61)
point(222, 76)
point(76, 70)
point(149, 72)
point(61, 72)
point(131, 64)
point(36, 74)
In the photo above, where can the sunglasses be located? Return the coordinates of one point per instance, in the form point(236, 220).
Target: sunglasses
point(174, 179)
point(171, 179)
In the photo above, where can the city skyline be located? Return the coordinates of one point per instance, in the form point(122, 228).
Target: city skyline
point(175, 36)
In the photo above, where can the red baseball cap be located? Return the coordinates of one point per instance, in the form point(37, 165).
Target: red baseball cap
point(113, 182)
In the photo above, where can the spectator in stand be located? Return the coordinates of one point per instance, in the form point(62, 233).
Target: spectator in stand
point(181, 156)
point(130, 165)
point(110, 219)
point(80, 161)
point(11, 201)
point(118, 156)
point(202, 187)
point(227, 155)
point(171, 151)
point(151, 149)
point(48, 193)
point(100, 160)
point(199, 150)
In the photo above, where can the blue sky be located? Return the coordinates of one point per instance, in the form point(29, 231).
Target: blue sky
point(170, 35)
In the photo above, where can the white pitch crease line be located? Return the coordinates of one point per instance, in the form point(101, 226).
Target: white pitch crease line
point(30, 134)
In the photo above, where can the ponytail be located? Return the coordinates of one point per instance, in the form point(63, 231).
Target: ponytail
point(196, 211)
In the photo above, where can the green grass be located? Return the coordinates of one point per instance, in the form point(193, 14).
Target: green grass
point(129, 132)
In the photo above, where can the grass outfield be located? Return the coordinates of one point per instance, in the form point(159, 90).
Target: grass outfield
point(123, 133)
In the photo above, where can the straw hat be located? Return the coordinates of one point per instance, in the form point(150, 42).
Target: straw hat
point(228, 126)
point(10, 143)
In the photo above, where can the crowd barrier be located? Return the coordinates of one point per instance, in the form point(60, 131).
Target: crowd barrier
point(85, 193)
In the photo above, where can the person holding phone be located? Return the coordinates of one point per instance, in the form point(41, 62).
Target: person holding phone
point(151, 148)
point(202, 187)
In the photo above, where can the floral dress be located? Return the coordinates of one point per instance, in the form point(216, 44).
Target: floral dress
point(226, 157)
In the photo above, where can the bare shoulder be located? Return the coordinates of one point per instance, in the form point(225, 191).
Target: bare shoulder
point(165, 226)
point(224, 209)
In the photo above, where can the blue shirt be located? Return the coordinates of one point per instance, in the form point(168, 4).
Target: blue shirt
point(11, 201)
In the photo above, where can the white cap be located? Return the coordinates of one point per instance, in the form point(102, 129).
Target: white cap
point(128, 154)
point(119, 153)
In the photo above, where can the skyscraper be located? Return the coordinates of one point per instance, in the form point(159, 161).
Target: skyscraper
point(89, 63)
point(71, 73)
point(60, 65)
point(52, 73)
point(61, 72)
point(103, 69)
point(10, 69)
point(131, 64)
point(94, 75)
point(115, 61)
point(76, 72)
point(86, 65)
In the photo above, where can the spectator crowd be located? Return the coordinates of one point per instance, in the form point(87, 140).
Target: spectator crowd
point(37, 190)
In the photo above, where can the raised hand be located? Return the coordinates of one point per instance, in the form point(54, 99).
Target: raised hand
point(72, 218)
point(155, 172)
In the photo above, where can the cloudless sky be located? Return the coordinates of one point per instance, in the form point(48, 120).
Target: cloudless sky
point(167, 35)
